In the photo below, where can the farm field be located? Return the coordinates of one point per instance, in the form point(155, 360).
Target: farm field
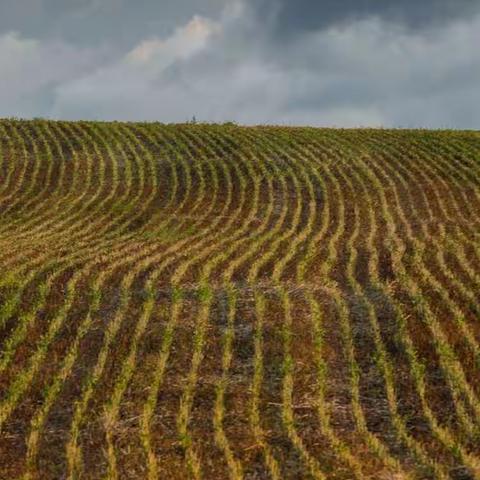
point(214, 301)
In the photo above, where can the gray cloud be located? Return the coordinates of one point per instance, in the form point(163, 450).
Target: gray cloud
point(227, 64)
point(32, 70)
point(287, 17)
point(117, 23)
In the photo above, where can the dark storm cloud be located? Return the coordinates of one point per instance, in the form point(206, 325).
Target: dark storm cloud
point(93, 21)
point(289, 17)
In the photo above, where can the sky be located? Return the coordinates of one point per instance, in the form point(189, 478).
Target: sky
point(341, 63)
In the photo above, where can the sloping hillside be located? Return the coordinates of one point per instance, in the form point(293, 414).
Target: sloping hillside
point(216, 302)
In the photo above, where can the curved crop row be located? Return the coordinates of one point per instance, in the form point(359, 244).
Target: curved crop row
point(210, 301)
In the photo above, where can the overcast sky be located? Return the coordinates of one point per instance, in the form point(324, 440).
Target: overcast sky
point(408, 63)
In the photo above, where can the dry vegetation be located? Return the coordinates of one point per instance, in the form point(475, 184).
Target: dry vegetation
point(199, 301)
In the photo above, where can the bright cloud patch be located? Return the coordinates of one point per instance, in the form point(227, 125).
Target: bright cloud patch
point(185, 42)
